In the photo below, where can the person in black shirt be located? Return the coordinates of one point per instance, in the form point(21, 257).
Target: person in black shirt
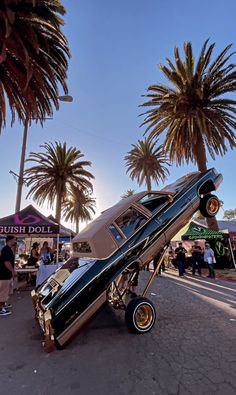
point(156, 261)
point(34, 255)
point(180, 259)
point(7, 272)
point(197, 257)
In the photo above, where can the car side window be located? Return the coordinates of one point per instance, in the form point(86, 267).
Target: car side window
point(153, 202)
point(116, 234)
point(130, 221)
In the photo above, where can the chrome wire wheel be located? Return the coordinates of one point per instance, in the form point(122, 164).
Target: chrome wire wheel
point(209, 205)
point(144, 316)
point(140, 315)
point(213, 206)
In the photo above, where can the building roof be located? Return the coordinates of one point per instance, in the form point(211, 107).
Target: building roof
point(223, 224)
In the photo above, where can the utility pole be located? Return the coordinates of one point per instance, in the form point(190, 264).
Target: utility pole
point(65, 98)
point(22, 167)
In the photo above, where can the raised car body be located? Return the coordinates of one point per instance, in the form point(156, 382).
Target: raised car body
point(134, 230)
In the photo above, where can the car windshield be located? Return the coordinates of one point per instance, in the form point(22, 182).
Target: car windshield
point(153, 202)
point(130, 221)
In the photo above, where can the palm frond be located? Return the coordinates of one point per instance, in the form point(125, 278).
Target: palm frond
point(55, 172)
point(33, 59)
point(146, 162)
point(195, 109)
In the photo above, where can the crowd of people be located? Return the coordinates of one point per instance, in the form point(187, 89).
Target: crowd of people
point(44, 255)
point(199, 257)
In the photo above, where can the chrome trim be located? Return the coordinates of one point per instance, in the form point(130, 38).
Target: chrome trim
point(172, 232)
point(104, 269)
point(193, 206)
point(168, 234)
point(140, 257)
point(41, 320)
point(81, 319)
point(47, 315)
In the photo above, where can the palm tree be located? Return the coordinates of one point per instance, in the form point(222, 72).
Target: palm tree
point(146, 162)
point(128, 193)
point(33, 58)
point(194, 112)
point(230, 214)
point(55, 172)
point(78, 206)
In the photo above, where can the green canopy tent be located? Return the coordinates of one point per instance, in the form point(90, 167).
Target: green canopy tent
point(219, 239)
point(197, 232)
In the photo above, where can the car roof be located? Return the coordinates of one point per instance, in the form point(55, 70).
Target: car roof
point(124, 203)
point(110, 214)
point(98, 240)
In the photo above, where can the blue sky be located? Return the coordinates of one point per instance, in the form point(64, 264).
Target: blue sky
point(116, 47)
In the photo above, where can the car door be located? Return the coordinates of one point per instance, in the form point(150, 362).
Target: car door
point(146, 229)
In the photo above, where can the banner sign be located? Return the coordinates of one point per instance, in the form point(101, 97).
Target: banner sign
point(28, 221)
point(196, 232)
point(14, 230)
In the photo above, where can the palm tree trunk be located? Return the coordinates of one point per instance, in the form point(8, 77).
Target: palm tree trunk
point(200, 156)
point(149, 184)
point(77, 226)
point(199, 153)
point(22, 166)
point(58, 208)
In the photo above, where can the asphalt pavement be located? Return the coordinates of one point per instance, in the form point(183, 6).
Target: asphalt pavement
point(190, 350)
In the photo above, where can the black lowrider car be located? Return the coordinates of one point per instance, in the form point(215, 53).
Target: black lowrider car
point(124, 238)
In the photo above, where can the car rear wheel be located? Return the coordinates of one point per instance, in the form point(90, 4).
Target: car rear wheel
point(209, 205)
point(140, 315)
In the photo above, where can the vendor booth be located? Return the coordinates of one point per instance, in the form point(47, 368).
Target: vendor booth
point(219, 242)
point(30, 223)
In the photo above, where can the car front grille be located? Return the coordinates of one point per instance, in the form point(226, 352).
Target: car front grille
point(41, 320)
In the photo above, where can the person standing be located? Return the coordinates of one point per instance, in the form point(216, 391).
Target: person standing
point(156, 260)
point(209, 258)
point(34, 255)
point(7, 273)
point(170, 256)
point(46, 253)
point(196, 258)
point(180, 259)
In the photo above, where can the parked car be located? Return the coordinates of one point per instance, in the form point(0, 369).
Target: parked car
point(128, 235)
